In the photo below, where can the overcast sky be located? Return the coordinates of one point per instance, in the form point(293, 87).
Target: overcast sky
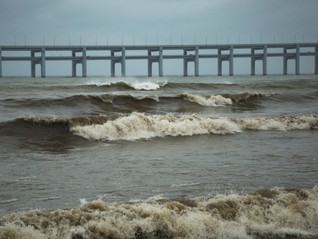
point(157, 21)
point(152, 21)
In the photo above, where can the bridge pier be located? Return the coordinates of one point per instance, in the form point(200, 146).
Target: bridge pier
point(291, 56)
point(82, 61)
point(38, 60)
point(316, 60)
point(257, 57)
point(225, 57)
point(43, 62)
point(74, 62)
point(191, 58)
point(33, 64)
point(154, 59)
point(121, 59)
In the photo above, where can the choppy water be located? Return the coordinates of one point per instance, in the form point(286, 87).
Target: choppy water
point(172, 157)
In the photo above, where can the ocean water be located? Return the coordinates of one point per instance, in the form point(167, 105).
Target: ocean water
point(168, 157)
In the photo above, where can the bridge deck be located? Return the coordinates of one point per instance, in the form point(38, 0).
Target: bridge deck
point(119, 54)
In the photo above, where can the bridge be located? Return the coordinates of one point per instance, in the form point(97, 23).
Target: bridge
point(120, 54)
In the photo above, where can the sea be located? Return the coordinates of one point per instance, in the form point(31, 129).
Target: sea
point(159, 157)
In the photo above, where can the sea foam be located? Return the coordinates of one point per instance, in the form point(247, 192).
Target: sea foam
point(267, 213)
point(142, 126)
point(213, 100)
point(144, 85)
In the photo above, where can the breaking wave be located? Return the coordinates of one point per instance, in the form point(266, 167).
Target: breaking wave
point(145, 85)
point(28, 122)
point(136, 85)
point(212, 100)
point(267, 213)
point(110, 98)
point(142, 126)
point(136, 126)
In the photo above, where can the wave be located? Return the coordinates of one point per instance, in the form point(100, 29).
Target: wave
point(142, 126)
point(145, 85)
point(136, 126)
point(217, 100)
point(136, 85)
point(140, 85)
point(222, 99)
point(150, 85)
point(268, 213)
point(27, 121)
point(65, 101)
point(128, 99)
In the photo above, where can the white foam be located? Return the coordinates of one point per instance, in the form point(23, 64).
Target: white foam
point(144, 85)
point(213, 100)
point(269, 213)
point(142, 126)
point(14, 231)
point(300, 122)
point(98, 83)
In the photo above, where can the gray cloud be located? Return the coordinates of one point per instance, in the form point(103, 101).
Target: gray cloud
point(161, 19)
point(154, 21)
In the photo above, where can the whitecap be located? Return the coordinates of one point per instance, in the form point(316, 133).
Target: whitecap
point(212, 100)
point(146, 85)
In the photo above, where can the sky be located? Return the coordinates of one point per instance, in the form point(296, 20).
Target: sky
point(100, 22)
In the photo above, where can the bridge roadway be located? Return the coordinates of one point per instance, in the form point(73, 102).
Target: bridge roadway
point(189, 53)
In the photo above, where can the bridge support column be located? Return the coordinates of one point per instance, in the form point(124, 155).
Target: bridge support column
point(120, 59)
point(291, 56)
point(225, 57)
point(153, 59)
point(123, 62)
point(231, 61)
point(160, 62)
point(185, 63)
point(79, 60)
point(149, 64)
point(196, 62)
point(74, 64)
point(259, 57)
point(316, 61)
point(35, 60)
point(253, 60)
point(112, 64)
point(219, 63)
point(285, 62)
point(33, 63)
point(265, 61)
point(42, 62)
point(0, 62)
point(84, 63)
point(297, 61)
point(191, 58)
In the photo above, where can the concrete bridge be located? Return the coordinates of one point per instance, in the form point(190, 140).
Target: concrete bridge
point(118, 55)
